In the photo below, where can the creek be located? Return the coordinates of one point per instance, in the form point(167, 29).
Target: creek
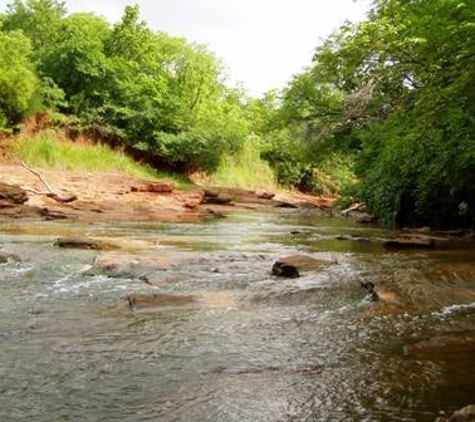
point(252, 347)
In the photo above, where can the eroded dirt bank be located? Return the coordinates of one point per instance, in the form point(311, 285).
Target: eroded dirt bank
point(119, 197)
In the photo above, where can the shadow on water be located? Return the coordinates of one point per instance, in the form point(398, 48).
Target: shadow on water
point(246, 346)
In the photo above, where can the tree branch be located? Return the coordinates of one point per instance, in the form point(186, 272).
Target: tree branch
point(51, 192)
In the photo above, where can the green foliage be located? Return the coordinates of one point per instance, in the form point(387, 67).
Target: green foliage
point(190, 151)
point(154, 92)
point(245, 169)
point(335, 176)
point(77, 63)
point(18, 81)
point(286, 157)
point(397, 92)
point(394, 95)
point(419, 160)
point(40, 21)
point(264, 113)
point(47, 151)
point(306, 132)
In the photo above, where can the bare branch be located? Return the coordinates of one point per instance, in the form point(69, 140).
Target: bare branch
point(39, 176)
point(51, 192)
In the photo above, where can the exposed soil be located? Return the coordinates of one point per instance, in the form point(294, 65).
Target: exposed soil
point(119, 197)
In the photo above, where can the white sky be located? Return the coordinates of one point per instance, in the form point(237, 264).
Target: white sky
point(262, 42)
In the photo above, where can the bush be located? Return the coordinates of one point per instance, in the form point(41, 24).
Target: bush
point(414, 177)
point(189, 151)
point(286, 157)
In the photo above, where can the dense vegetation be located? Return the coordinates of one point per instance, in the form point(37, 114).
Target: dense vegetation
point(385, 113)
point(157, 93)
point(395, 93)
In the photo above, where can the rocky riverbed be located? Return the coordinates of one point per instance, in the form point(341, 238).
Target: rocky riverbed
point(118, 197)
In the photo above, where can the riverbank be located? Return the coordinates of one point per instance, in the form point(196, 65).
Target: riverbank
point(119, 197)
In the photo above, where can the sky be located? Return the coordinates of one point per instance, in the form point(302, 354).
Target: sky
point(261, 42)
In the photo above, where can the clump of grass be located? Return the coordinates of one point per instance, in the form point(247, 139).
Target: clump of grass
point(46, 150)
point(245, 169)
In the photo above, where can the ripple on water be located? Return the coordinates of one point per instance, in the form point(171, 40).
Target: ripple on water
point(254, 348)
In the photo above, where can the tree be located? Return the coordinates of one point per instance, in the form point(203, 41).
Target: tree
point(77, 63)
point(40, 20)
point(408, 75)
point(17, 78)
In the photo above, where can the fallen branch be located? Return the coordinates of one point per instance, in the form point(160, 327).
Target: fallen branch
point(51, 192)
point(39, 176)
point(354, 207)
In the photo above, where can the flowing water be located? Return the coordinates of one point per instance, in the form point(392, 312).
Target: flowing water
point(250, 347)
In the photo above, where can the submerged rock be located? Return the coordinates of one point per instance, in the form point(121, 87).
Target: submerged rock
point(158, 279)
point(442, 348)
point(117, 265)
point(300, 263)
point(467, 414)
point(6, 257)
point(83, 243)
point(77, 242)
point(411, 241)
point(159, 299)
point(114, 266)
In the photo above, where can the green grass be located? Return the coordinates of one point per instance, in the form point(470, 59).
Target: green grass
point(245, 169)
point(46, 151)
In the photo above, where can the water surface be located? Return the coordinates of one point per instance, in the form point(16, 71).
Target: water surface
point(253, 347)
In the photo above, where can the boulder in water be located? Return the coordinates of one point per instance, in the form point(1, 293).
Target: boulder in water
point(372, 294)
point(281, 269)
point(410, 242)
point(119, 265)
point(114, 266)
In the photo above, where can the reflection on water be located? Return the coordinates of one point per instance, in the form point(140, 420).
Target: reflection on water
point(250, 347)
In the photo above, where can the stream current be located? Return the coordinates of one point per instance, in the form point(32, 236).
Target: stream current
point(252, 347)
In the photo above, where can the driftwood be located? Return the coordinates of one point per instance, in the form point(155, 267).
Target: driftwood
point(51, 192)
point(354, 207)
